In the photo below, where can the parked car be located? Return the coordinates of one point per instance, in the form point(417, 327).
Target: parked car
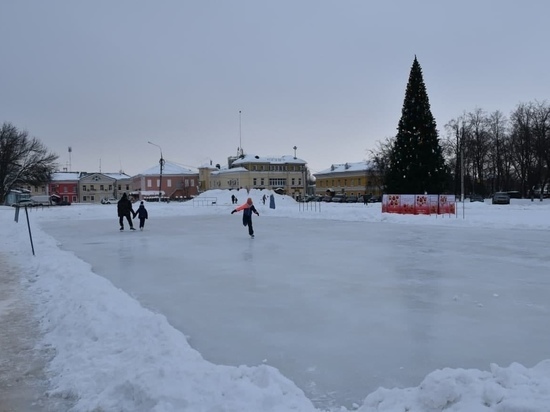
point(108, 201)
point(327, 199)
point(375, 199)
point(501, 198)
point(514, 194)
point(476, 198)
point(351, 199)
point(338, 199)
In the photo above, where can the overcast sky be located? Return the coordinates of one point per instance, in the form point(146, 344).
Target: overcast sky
point(106, 77)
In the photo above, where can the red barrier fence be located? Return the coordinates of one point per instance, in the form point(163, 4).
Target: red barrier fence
point(419, 204)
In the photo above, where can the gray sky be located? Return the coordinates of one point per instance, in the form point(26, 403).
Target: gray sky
point(105, 77)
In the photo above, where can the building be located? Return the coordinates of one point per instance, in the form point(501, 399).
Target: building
point(64, 186)
point(94, 187)
point(285, 174)
point(178, 182)
point(350, 179)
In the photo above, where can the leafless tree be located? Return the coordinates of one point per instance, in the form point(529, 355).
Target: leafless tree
point(23, 160)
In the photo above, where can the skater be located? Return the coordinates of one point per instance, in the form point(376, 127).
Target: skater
point(232, 199)
point(125, 210)
point(247, 209)
point(142, 214)
point(263, 199)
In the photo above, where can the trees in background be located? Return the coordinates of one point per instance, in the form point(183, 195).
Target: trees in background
point(500, 153)
point(416, 163)
point(490, 151)
point(23, 160)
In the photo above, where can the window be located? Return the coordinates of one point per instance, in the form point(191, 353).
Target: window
point(277, 182)
point(186, 183)
point(110, 187)
point(84, 188)
point(119, 187)
point(293, 181)
point(262, 181)
point(101, 187)
point(255, 182)
point(65, 189)
point(127, 187)
point(149, 183)
point(192, 182)
point(92, 188)
point(158, 182)
point(84, 198)
point(169, 182)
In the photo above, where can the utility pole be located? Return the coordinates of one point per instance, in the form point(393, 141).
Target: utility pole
point(161, 164)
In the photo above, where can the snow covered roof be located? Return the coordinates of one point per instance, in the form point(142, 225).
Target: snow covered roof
point(346, 167)
point(169, 168)
point(285, 159)
point(117, 176)
point(229, 171)
point(61, 176)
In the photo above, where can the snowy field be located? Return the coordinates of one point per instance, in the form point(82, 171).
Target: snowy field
point(342, 308)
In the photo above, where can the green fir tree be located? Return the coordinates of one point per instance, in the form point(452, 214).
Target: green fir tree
point(416, 159)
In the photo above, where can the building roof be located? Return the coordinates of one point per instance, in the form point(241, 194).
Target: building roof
point(346, 168)
point(229, 171)
point(285, 159)
point(62, 176)
point(117, 176)
point(169, 168)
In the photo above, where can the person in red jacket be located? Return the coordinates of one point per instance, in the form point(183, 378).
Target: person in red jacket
point(247, 208)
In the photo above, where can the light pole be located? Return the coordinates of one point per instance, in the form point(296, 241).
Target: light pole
point(161, 164)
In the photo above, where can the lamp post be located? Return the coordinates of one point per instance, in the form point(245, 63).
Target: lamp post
point(161, 164)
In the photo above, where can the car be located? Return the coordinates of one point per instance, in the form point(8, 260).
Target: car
point(327, 199)
point(108, 201)
point(476, 198)
point(501, 198)
point(338, 199)
point(351, 199)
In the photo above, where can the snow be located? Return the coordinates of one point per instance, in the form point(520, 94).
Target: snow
point(117, 350)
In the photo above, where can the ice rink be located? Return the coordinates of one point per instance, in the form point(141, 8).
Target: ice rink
point(338, 307)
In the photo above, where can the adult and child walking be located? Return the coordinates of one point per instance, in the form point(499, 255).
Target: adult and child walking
point(126, 210)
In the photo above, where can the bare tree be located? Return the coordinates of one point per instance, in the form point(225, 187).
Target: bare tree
point(499, 164)
point(522, 143)
point(23, 160)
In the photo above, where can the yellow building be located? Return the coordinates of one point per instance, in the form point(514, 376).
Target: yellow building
point(286, 174)
point(351, 179)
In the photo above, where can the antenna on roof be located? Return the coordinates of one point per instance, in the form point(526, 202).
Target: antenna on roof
point(70, 151)
point(240, 151)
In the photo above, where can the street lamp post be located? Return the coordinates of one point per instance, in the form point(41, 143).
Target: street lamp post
point(161, 164)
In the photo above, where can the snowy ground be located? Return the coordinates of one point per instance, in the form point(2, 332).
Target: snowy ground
point(340, 301)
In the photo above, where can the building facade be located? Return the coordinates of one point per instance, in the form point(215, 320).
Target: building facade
point(64, 186)
point(178, 183)
point(94, 187)
point(350, 179)
point(285, 174)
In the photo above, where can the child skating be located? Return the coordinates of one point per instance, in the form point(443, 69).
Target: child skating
point(247, 209)
point(142, 214)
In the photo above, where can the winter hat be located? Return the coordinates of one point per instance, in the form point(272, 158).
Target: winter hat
point(141, 202)
point(249, 201)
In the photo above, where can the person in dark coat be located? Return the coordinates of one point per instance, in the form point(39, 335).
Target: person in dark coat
point(125, 210)
point(247, 208)
point(142, 214)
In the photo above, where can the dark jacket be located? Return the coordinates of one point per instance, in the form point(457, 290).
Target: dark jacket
point(124, 206)
point(142, 212)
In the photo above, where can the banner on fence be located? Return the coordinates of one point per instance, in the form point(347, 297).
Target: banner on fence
point(419, 204)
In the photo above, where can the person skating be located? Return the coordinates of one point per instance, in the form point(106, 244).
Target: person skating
point(247, 208)
point(125, 210)
point(142, 214)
